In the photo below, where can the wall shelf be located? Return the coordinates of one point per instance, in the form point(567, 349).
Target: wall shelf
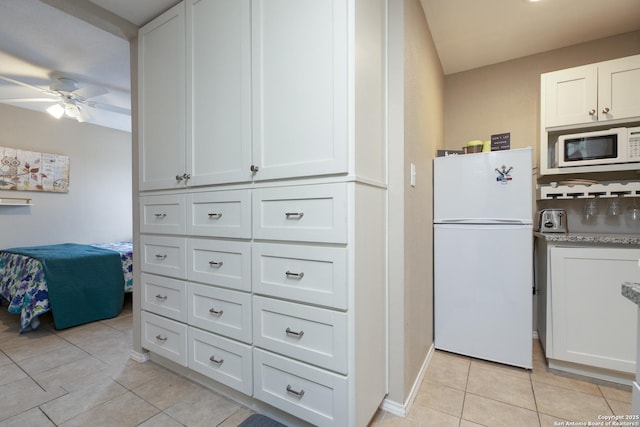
point(568, 191)
point(15, 201)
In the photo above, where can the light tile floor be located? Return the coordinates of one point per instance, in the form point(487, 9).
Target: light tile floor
point(460, 391)
point(83, 376)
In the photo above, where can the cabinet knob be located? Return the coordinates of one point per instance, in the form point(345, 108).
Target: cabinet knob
point(179, 178)
point(605, 111)
point(186, 176)
point(254, 168)
point(592, 111)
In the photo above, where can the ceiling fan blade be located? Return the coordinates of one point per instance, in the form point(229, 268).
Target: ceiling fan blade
point(108, 107)
point(27, 85)
point(29, 100)
point(87, 92)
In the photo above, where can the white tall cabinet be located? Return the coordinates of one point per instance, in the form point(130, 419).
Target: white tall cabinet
point(262, 200)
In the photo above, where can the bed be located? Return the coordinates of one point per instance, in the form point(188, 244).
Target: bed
point(86, 282)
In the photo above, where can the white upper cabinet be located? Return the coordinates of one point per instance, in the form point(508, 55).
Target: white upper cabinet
point(219, 82)
point(241, 90)
point(299, 87)
point(593, 93)
point(619, 89)
point(161, 67)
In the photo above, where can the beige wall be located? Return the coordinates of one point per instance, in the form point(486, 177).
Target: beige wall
point(416, 128)
point(505, 97)
point(97, 207)
point(424, 132)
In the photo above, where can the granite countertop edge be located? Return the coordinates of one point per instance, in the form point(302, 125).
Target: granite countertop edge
point(602, 238)
point(631, 291)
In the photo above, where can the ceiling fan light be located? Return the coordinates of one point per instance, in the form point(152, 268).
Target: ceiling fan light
point(56, 110)
point(82, 116)
point(71, 110)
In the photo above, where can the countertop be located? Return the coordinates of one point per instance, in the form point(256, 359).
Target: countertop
point(631, 291)
point(601, 238)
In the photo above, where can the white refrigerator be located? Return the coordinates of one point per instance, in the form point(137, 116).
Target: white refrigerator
point(483, 252)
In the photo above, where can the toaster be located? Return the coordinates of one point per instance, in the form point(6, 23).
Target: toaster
point(552, 221)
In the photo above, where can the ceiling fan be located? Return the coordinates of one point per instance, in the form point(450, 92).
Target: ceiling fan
point(69, 99)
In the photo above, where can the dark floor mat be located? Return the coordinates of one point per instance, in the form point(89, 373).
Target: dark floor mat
point(257, 420)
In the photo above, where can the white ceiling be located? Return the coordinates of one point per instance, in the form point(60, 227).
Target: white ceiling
point(38, 39)
point(473, 33)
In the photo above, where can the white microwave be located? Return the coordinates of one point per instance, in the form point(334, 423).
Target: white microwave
point(603, 147)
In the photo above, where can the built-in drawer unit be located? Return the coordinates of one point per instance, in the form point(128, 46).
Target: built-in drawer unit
point(165, 337)
point(219, 262)
point(221, 359)
point(309, 213)
point(312, 274)
point(164, 296)
point(315, 335)
point(220, 214)
point(163, 214)
point(221, 311)
point(310, 393)
point(164, 255)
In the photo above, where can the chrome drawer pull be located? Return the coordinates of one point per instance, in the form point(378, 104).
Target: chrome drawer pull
point(212, 359)
point(161, 297)
point(294, 215)
point(294, 333)
point(159, 256)
point(215, 215)
point(296, 275)
point(216, 313)
point(161, 338)
point(160, 215)
point(297, 394)
point(215, 264)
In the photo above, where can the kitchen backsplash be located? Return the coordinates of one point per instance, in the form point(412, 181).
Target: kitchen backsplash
point(607, 217)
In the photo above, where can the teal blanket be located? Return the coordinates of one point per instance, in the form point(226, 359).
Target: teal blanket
point(85, 283)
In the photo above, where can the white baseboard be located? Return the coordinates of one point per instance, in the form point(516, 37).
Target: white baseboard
point(139, 357)
point(402, 409)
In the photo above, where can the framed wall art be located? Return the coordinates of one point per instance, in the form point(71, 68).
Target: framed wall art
point(32, 171)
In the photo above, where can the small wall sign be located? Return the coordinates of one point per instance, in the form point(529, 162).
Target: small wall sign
point(501, 141)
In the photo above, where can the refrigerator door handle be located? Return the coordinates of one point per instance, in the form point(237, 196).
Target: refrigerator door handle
point(482, 221)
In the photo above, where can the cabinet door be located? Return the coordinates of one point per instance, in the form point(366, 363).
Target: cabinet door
point(571, 96)
point(619, 89)
point(300, 75)
point(593, 324)
point(161, 62)
point(219, 58)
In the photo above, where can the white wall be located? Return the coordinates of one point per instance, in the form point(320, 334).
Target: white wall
point(97, 207)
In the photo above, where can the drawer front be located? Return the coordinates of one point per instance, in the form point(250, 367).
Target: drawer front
point(163, 214)
point(310, 393)
point(316, 275)
point(314, 335)
point(221, 359)
point(165, 337)
point(221, 311)
point(313, 213)
point(164, 255)
point(220, 263)
point(164, 296)
point(220, 214)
